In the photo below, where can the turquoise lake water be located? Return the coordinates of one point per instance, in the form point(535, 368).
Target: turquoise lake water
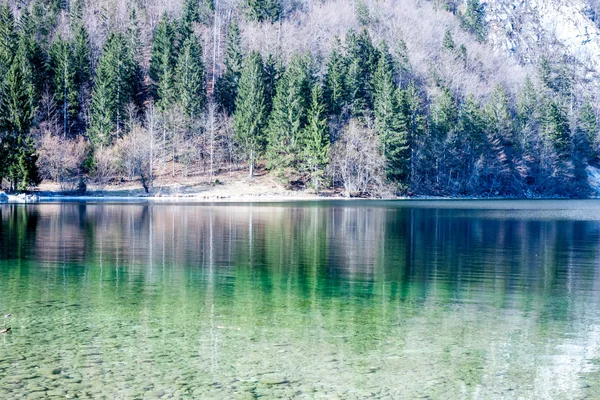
point(341, 299)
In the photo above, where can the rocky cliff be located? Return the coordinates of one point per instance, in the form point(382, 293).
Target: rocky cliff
point(559, 29)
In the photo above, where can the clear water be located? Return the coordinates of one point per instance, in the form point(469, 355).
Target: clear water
point(402, 300)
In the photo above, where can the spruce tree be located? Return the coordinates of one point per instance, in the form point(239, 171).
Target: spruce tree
point(64, 75)
point(18, 111)
point(264, 10)
point(389, 124)
point(448, 42)
point(227, 85)
point(288, 116)
point(557, 130)
point(315, 139)
point(335, 89)
point(587, 126)
point(362, 61)
point(272, 71)
point(250, 116)
point(162, 61)
point(444, 114)
point(474, 19)
point(113, 90)
point(81, 56)
point(190, 87)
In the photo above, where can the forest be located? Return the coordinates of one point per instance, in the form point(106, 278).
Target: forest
point(374, 98)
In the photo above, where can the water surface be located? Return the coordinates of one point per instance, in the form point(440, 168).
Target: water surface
point(420, 299)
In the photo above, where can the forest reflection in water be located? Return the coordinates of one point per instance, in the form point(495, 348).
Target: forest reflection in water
point(354, 299)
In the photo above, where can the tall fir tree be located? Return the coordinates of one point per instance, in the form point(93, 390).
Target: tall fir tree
point(264, 10)
point(162, 61)
point(474, 19)
point(288, 116)
point(334, 92)
point(315, 139)
point(250, 112)
point(19, 106)
point(190, 86)
point(389, 122)
point(64, 81)
point(113, 91)
point(362, 61)
point(587, 127)
point(557, 130)
point(227, 84)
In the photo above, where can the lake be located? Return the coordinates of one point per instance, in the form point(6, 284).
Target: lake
point(340, 299)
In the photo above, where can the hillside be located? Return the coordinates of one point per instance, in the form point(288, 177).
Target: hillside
point(368, 97)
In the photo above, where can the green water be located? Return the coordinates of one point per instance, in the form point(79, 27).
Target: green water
point(400, 300)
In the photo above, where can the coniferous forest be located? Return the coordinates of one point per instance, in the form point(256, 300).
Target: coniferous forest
point(322, 94)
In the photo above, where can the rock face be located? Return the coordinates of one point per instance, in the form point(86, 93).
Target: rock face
point(528, 29)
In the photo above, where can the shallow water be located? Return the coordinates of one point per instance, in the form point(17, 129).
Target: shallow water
point(402, 300)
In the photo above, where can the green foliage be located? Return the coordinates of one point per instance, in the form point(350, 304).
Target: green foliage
point(444, 114)
point(190, 86)
point(587, 125)
point(227, 85)
point(250, 111)
point(556, 129)
point(389, 121)
point(315, 139)
point(288, 117)
point(362, 61)
point(162, 61)
point(264, 10)
point(64, 75)
point(335, 93)
point(113, 90)
point(448, 42)
point(473, 19)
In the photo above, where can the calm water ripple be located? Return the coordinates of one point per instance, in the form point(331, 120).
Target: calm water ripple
point(400, 300)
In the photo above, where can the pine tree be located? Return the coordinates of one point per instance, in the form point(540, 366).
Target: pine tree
point(587, 125)
point(64, 75)
point(272, 72)
point(288, 117)
point(227, 85)
point(264, 10)
point(557, 130)
point(250, 117)
point(113, 90)
point(81, 56)
point(18, 111)
point(448, 42)
point(444, 113)
point(190, 86)
point(8, 39)
point(335, 89)
point(389, 124)
point(474, 19)
point(35, 53)
point(162, 61)
point(315, 139)
point(362, 61)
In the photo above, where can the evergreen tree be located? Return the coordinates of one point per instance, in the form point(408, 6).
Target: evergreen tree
point(272, 72)
point(19, 106)
point(448, 42)
point(190, 85)
point(288, 117)
point(474, 19)
point(363, 57)
point(444, 113)
point(35, 53)
point(249, 118)
point(264, 10)
point(113, 90)
point(162, 61)
point(8, 39)
point(64, 75)
point(315, 139)
point(389, 124)
point(557, 130)
point(227, 85)
point(81, 56)
point(335, 88)
point(499, 122)
point(588, 131)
